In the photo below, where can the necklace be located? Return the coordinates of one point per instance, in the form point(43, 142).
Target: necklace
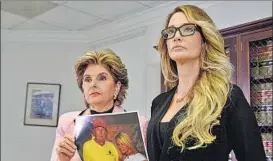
point(178, 100)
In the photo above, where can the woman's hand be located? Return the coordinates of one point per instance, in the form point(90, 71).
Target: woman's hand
point(66, 148)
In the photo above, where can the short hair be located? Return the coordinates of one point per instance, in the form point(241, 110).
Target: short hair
point(108, 59)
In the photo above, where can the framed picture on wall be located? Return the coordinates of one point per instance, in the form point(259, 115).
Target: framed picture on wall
point(42, 104)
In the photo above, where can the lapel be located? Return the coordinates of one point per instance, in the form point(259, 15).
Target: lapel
point(168, 150)
point(167, 138)
point(154, 144)
point(162, 107)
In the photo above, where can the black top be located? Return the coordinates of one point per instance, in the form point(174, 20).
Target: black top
point(238, 131)
point(163, 131)
point(164, 126)
point(108, 111)
point(92, 112)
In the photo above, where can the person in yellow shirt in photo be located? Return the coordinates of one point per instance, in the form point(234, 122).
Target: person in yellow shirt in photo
point(98, 148)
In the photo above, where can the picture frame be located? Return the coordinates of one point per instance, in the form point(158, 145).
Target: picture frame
point(42, 104)
point(119, 132)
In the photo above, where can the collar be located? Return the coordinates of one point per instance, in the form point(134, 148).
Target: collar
point(113, 110)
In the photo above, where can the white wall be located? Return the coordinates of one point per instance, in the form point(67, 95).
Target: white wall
point(133, 56)
point(53, 62)
point(233, 13)
point(36, 62)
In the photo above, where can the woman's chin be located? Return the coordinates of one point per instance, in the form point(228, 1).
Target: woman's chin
point(95, 101)
point(178, 57)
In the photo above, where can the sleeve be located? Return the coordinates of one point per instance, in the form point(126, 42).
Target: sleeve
point(153, 107)
point(242, 130)
point(59, 135)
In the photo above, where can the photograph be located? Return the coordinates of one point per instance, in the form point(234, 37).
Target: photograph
point(42, 104)
point(110, 137)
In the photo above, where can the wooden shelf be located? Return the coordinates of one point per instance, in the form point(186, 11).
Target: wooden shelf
point(265, 125)
point(259, 107)
point(250, 53)
point(267, 62)
point(262, 49)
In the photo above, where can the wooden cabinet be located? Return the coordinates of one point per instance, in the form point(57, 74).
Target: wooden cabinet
point(250, 49)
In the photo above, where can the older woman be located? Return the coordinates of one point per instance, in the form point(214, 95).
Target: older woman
point(103, 80)
point(203, 116)
point(127, 148)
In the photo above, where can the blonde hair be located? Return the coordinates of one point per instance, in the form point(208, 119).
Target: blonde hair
point(108, 59)
point(124, 138)
point(209, 93)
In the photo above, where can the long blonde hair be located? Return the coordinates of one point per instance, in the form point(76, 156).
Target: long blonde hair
point(210, 91)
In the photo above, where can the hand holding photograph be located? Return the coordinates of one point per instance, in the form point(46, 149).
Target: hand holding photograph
point(110, 137)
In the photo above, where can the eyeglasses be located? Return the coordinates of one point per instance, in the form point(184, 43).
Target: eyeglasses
point(186, 29)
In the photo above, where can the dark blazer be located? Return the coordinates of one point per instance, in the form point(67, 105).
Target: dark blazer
point(238, 131)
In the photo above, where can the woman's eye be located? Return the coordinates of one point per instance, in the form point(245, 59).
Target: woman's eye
point(188, 29)
point(170, 30)
point(87, 79)
point(102, 78)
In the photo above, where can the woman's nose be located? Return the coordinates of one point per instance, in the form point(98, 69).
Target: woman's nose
point(177, 36)
point(93, 83)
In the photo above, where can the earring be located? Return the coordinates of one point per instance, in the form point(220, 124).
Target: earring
point(115, 95)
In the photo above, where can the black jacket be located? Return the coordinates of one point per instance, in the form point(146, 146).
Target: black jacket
point(238, 131)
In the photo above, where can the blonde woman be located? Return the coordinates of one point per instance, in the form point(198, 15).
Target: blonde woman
point(203, 116)
point(127, 148)
point(103, 81)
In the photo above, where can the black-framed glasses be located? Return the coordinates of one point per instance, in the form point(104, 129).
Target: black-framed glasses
point(186, 29)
